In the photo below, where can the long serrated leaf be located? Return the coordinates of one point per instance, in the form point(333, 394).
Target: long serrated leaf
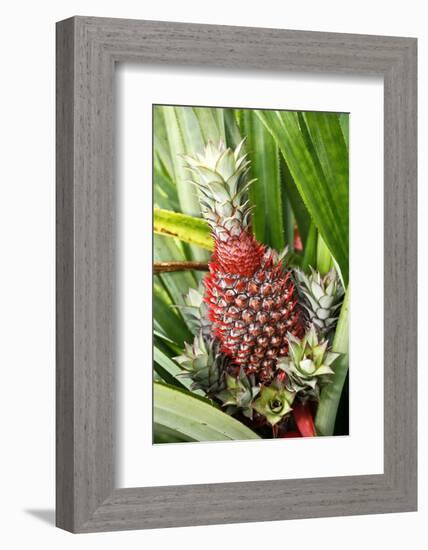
point(186, 228)
point(166, 318)
point(232, 131)
point(332, 153)
point(162, 434)
point(160, 339)
point(320, 171)
point(188, 198)
point(330, 395)
point(169, 371)
point(265, 192)
point(194, 418)
point(310, 249)
point(288, 219)
point(344, 124)
point(211, 123)
point(161, 152)
point(164, 191)
point(324, 258)
point(300, 212)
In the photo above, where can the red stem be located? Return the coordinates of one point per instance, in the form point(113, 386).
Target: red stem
point(303, 417)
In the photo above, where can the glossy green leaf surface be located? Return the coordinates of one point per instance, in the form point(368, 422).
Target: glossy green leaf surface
point(186, 228)
point(195, 418)
point(314, 150)
point(265, 193)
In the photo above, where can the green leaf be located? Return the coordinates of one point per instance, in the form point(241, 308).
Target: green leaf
point(163, 434)
point(186, 228)
point(194, 418)
point(233, 134)
point(166, 318)
point(265, 192)
point(211, 123)
point(330, 394)
point(300, 212)
point(315, 152)
point(324, 258)
point(168, 370)
point(186, 131)
point(175, 119)
point(310, 249)
point(344, 125)
point(162, 340)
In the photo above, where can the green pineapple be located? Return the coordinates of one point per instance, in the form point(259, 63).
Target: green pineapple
point(308, 365)
point(274, 402)
point(205, 366)
point(239, 393)
point(322, 298)
point(195, 312)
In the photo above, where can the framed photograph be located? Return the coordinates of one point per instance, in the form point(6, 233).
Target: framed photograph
point(220, 191)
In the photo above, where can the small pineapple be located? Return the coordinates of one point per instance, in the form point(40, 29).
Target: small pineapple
point(195, 312)
point(322, 298)
point(308, 365)
point(204, 365)
point(251, 298)
point(274, 402)
point(239, 393)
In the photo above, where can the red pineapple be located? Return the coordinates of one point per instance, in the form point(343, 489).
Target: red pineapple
point(250, 294)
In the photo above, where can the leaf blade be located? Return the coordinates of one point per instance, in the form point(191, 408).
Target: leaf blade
point(195, 418)
point(186, 228)
point(325, 199)
point(265, 192)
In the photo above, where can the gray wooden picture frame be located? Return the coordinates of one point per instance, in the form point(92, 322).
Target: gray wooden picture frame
point(87, 51)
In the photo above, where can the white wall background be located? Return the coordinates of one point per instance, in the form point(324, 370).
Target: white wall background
point(27, 272)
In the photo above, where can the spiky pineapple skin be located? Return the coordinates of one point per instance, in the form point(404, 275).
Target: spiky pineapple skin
point(252, 311)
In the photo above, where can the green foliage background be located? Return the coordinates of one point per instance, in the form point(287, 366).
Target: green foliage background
point(300, 160)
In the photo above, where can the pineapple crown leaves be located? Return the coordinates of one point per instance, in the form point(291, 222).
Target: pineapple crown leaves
point(239, 393)
point(220, 175)
point(308, 363)
point(274, 402)
point(322, 297)
point(203, 364)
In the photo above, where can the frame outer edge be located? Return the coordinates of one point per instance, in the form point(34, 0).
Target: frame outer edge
point(401, 267)
point(94, 273)
point(86, 498)
point(64, 274)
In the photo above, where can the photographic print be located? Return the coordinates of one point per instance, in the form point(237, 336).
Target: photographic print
point(251, 274)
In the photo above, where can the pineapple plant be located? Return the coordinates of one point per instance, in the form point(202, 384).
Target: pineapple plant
point(202, 362)
point(195, 311)
point(239, 393)
point(308, 365)
point(251, 296)
point(274, 402)
point(255, 337)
